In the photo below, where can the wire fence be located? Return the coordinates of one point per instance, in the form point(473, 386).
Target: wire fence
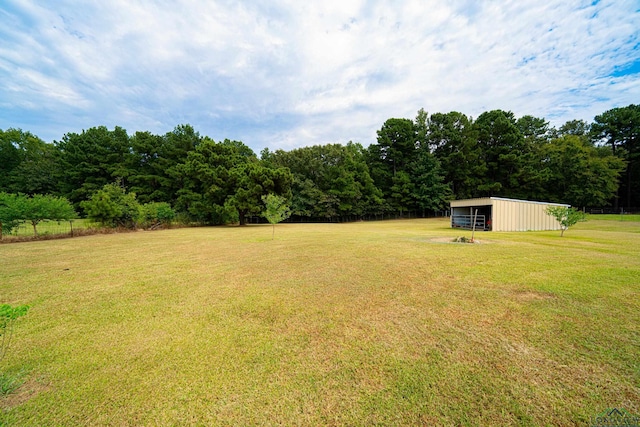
point(53, 228)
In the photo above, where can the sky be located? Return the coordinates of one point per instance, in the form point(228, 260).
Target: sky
point(284, 74)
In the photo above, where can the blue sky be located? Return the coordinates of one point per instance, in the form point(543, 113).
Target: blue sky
point(288, 73)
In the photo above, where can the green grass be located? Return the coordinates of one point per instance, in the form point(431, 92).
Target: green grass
point(369, 323)
point(9, 382)
point(615, 217)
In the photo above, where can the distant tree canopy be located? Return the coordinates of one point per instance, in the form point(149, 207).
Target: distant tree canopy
point(329, 181)
point(414, 167)
point(619, 128)
point(224, 182)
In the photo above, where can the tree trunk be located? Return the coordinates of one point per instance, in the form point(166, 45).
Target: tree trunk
point(241, 217)
point(628, 185)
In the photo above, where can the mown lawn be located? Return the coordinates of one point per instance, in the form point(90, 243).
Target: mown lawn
point(368, 323)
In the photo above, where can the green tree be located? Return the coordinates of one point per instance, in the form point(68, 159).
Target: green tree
point(10, 215)
point(402, 192)
point(392, 154)
point(224, 182)
point(430, 192)
point(566, 216)
point(148, 177)
point(535, 130)
point(17, 208)
point(92, 159)
point(249, 181)
point(502, 149)
point(9, 156)
point(276, 210)
point(421, 127)
point(620, 129)
point(39, 207)
point(154, 168)
point(573, 127)
point(27, 163)
point(112, 206)
point(453, 141)
point(330, 181)
point(579, 173)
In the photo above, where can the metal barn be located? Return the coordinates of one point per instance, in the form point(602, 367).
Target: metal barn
point(500, 214)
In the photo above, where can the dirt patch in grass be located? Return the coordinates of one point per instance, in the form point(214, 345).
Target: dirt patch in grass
point(533, 295)
point(27, 391)
point(453, 240)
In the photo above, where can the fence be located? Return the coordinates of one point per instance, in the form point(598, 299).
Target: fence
point(609, 210)
point(49, 228)
point(466, 221)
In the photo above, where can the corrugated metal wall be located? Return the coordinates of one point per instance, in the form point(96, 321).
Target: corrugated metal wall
point(516, 215)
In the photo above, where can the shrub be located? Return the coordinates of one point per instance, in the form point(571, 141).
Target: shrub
point(113, 207)
point(156, 215)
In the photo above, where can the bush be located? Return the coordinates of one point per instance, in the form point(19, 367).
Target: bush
point(156, 215)
point(113, 207)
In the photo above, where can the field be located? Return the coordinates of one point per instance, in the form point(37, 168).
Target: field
point(359, 324)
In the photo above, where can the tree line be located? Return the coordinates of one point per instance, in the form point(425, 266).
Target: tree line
point(414, 167)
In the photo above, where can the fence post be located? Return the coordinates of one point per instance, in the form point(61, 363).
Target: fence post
point(475, 217)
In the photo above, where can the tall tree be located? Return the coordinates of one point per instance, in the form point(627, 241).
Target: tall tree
point(155, 175)
point(535, 130)
point(579, 173)
point(503, 147)
point(453, 140)
point(329, 181)
point(397, 140)
point(531, 177)
point(573, 127)
point(421, 126)
point(430, 192)
point(9, 156)
point(149, 178)
point(91, 159)
point(224, 182)
point(620, 129)
point(27, 163)
point(390, 159)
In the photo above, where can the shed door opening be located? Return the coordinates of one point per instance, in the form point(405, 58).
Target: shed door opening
point(462, 217)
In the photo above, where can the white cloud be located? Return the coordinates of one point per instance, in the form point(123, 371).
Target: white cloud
point(286, 73)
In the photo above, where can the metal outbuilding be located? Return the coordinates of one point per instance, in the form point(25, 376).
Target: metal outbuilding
point(500, 214)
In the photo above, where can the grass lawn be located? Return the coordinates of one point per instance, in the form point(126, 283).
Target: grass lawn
point(368, 323)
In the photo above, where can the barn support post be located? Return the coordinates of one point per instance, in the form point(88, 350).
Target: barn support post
point(475, 217)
